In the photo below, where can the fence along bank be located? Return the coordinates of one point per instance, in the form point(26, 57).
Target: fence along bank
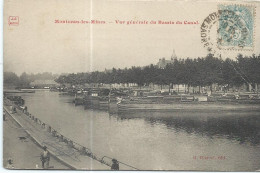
point(84, 151)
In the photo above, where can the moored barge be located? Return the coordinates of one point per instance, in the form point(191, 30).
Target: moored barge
point(187, 104)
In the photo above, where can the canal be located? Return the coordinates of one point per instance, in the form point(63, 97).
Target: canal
point(151, 141)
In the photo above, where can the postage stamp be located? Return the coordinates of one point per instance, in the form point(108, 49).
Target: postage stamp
point(13, 20)
point(232, 27)
point(235, 27)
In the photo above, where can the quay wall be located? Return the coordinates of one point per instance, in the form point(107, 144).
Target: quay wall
point(83, 151)
point(36, 141)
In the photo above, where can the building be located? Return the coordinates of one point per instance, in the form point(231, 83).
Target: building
point(163, 62)
point(43, 83)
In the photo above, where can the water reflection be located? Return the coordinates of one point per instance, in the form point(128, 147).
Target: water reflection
point(240, 127)
point(155, 141)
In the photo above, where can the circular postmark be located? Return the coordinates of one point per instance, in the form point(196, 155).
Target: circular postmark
point(233, 29)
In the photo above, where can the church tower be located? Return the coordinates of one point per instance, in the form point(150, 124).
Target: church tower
point(173, 57)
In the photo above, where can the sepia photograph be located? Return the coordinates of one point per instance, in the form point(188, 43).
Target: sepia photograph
point(136, 85)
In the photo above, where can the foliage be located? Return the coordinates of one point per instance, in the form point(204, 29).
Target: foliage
point(192, 72)
point(25, 79)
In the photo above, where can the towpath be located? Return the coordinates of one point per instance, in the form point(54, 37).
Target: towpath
point(18, 146)
point(66, 154)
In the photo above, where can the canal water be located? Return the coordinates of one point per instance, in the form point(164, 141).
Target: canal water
point(150, 141)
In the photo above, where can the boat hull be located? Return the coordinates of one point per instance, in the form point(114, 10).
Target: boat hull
point(187, 107)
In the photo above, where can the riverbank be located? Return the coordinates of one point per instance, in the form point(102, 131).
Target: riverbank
point(66, 154)
point(146, 140)
point(19, 147)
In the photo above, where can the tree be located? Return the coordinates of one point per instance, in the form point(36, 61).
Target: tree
point(25, 80)
point(192, 72)
point(11, 79)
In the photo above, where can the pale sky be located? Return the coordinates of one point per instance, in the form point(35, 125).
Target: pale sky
point(39, 44)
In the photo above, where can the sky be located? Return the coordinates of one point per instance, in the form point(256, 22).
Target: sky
point(38, 44)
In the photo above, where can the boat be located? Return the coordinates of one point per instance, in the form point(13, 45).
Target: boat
point(186, 103)
point(18, 91)
point(96, 99)
point(16, 100)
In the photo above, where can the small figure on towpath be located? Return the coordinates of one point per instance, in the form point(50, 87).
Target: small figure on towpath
point(45, 158)
point(25, 109)
point(115, 165)
point(13, 109)
point(9, 164)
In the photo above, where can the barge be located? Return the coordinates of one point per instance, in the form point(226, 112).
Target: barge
point(187, 104)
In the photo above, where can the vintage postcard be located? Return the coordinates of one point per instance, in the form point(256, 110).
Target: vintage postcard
point(131, 85)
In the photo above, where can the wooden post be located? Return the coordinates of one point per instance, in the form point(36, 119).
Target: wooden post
point(49, 129)
point(61, 138)
point(83, 151)
point(54, 133)
point(70, 143)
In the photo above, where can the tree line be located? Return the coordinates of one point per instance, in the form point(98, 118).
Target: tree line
point(192, 72)
point(24, 80)
point(196, 72)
